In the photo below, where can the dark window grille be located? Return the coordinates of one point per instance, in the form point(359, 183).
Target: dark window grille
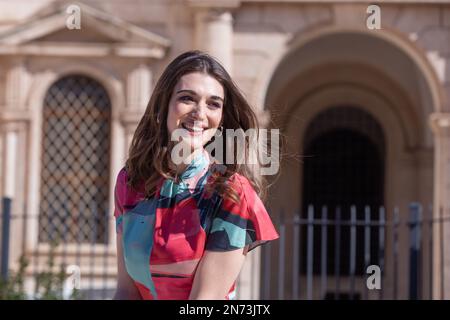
point(343, 166)
point(75, 161)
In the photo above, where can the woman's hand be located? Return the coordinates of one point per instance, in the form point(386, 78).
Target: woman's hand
point(126, 289)
point(216, 273)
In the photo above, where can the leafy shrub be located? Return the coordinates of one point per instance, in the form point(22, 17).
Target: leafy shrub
point(48, 284)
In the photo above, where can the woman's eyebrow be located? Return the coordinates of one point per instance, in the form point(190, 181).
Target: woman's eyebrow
point(188, 91)
point(216, 98)
point(195, 94)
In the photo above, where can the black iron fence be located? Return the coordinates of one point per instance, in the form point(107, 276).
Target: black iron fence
point(69, 255)
point(371, 254)
point(343, 253)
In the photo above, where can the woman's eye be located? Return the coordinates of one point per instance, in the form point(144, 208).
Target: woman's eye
point(215, 105)
point(186, 98)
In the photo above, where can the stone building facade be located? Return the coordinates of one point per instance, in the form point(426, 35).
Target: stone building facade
point(307, 67)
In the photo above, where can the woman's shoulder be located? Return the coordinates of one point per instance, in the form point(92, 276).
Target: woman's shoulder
point(123, 190)
point(121, 181)
point(122, 176)
point(244, 189)
point(243, 224)
point(241, 184)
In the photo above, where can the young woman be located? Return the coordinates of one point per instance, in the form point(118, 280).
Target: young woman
point(183, 230)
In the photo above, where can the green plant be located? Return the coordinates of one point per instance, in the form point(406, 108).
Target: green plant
point(12, 288)
point(49, 285)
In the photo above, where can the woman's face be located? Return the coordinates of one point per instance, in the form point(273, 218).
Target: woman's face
point(196, 107)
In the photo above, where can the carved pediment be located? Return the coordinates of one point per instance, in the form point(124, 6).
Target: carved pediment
point(100, 33)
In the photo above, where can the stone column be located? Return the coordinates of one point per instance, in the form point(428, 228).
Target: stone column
point(18, 81)
point(139, 87)
point(440, 124)
point(129, 122)
point(214, 34)
point(14, 121)
point(10, 142)
point(11, 134)
point(16, 84)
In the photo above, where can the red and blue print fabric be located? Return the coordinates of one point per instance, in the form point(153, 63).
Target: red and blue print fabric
point(165, 237)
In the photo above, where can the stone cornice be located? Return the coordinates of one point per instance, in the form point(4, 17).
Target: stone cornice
point(7, 115)
point(219, 4)
point(237, 3)
point(82, 49)
point(351, 1)
point(14, 121)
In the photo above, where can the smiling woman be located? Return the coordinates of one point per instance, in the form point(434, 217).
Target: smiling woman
point(196, 106)
point(183, 230)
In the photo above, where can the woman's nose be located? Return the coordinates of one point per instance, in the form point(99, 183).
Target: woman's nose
point(200, 109)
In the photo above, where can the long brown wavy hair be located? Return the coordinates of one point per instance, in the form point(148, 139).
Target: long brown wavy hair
point(149, 154)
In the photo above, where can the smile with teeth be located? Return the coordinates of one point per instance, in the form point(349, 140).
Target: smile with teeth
point(192, 129)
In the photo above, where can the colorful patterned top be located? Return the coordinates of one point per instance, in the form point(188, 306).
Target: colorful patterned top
point(165, 237)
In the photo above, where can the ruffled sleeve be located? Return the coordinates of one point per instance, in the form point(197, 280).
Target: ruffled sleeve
point(242, 224)
point(120, 190)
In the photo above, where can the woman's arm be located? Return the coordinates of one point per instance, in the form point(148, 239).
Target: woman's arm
point(216, 273)
point(126, 289)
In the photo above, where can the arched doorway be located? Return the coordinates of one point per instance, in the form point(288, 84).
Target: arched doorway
point(75, 157)
point(343, 166)
point(337, 68)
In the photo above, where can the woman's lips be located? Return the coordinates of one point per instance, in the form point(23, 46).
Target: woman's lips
point(192, 130)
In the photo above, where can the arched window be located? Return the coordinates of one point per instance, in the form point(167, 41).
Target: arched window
point(76, 143)
point(344, 155)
